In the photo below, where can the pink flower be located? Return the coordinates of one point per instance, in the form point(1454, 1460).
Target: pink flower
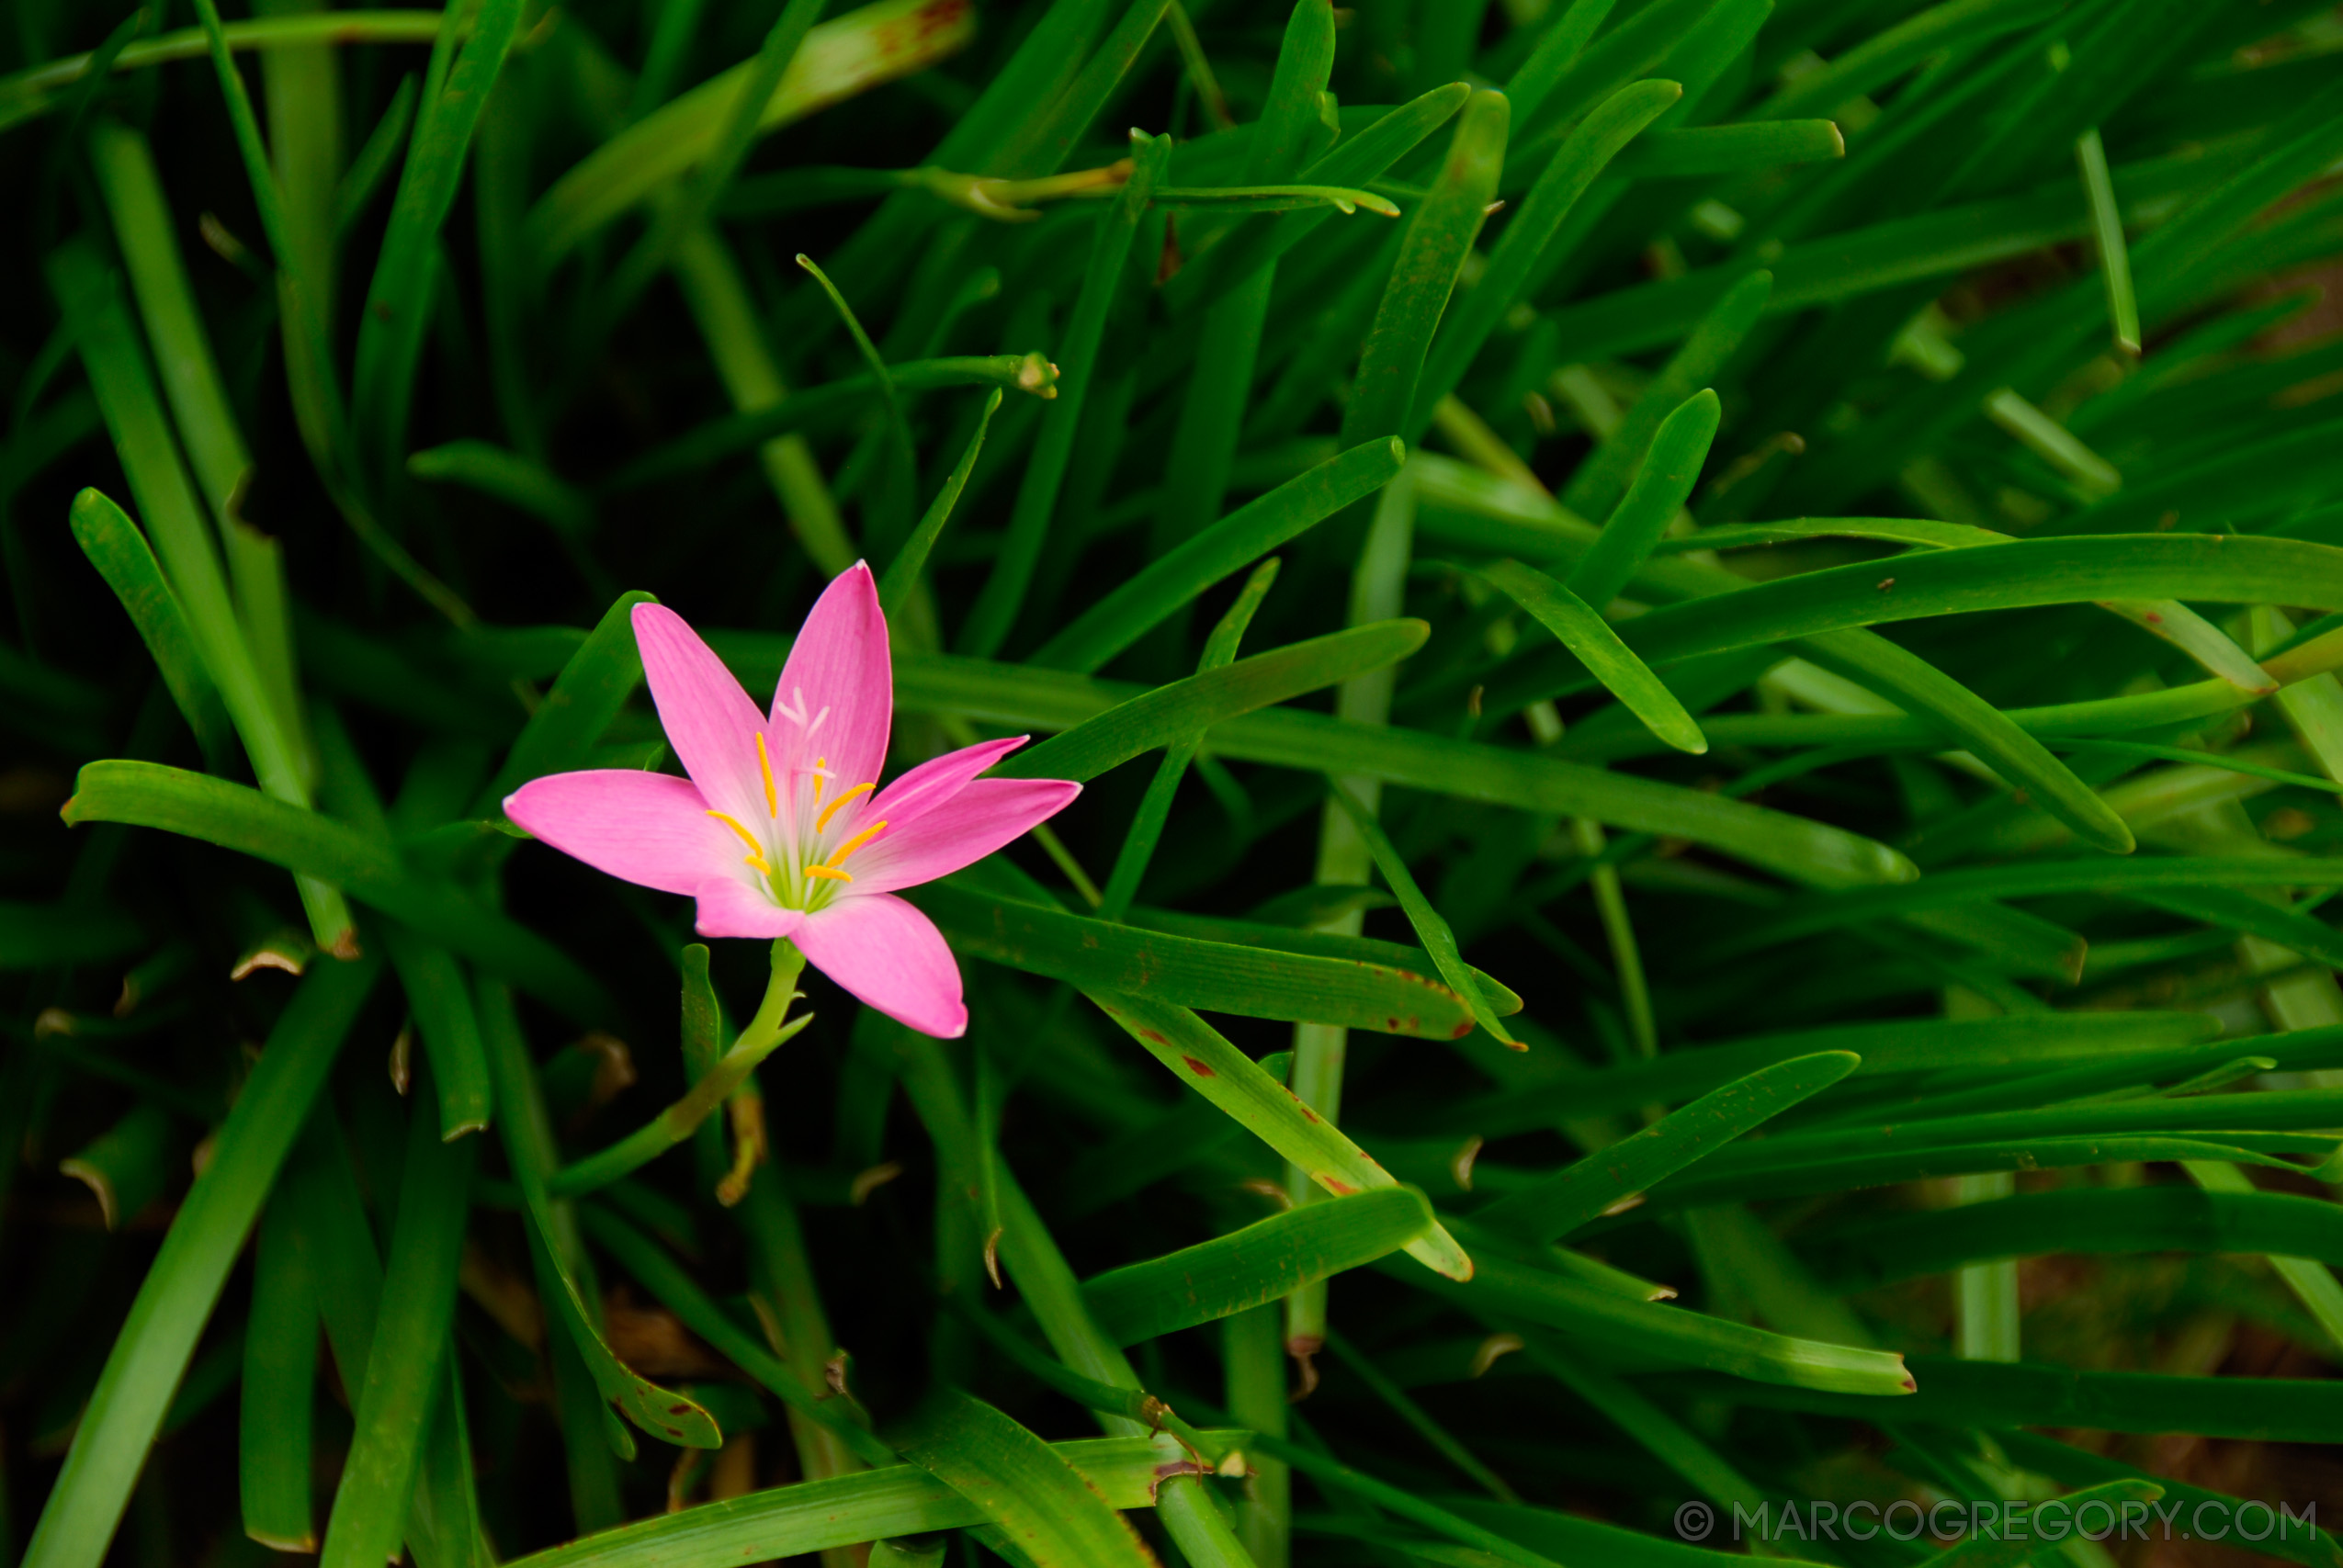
point(781, 829)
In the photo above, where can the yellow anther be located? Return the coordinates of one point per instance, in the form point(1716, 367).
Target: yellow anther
point(772, 796)
point(828, 873)
point(746, 837)
point(832, 809)
point(757, 861)
point(819, 764)
point(858, 841)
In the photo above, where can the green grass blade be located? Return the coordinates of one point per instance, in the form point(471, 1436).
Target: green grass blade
point(2003, 1394)
point(185, 1281)
point(508, 477)
point(1577, 1193)
point(279, 1389)
point(1251, 1267)
point(902, 1499)
point(1803, 850)
point(2021, 574)
point(1918, 686)
point(592, 687)
point(1885, 55)
point(1203, 444)
point(1204, 700)
point(678, 211)
point(892, 505)
point(182, 538)
point(2313, 1283)
point(1155, 806)
point(666, 1281)
point(1041, 145)
point(441, 1000)
point(765, 417)
point(1290, 112)
point(1056, 1516)
point(1558, 49)
point(2106, 230)
point(2010, 1551)
point(1353, 162)
point(1431, 930)
point(1252, 982)
point(187, 547)
point(363, 179)
point(1623, 454)
point(1329, 1471)
point(1588, 149)
point(1200, 1057)
point(391, 330)
point(1363, 1367)
point(184, 361)
point(529, 1148)
point(36, 91)
point(1588, 637)
point(902, 575)
point(1634, 48)
point(405, 1374)
point(713, 288)
point(236, 817)
point(2082, 1220)
point(265, 610)
point(2296, 1542)
point(1730, 149)
point(1135, 1405)
point(1669, 469)
point(1666, 1439)
point(127, 1167)
point(1003, 595)
point(119, 552)
point(1150, 597)
point(1432, 253)
point(1271, 198)
point(1924, 1157)
point(1650, 1332)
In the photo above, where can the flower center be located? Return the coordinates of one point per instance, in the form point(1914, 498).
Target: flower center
point(802, 851)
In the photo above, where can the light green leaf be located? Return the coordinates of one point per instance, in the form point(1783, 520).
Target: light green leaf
point(1200, 1057)
point(1253, 981)
point(234, 817)
point(1055, 1516)
point(1259, 1263)
point(1588, 637)
point(1582, 1191)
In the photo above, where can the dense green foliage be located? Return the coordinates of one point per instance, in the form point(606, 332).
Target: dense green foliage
point(1708, 630)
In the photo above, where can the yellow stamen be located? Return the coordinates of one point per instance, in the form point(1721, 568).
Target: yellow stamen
point(746, 837)
point(858, 841)
point(772, 796)
point(755, 856)
point(819, 764)
point(832, 809)
point(828, 873)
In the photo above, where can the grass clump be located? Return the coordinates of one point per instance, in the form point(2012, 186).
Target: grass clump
point(1730, 613)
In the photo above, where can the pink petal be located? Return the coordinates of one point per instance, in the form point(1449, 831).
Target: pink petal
point(891, 956)
point(838, 662)
point(650, 828)
point(709, 721)
point(960, 832)
point(932, 784)
point(730, 906)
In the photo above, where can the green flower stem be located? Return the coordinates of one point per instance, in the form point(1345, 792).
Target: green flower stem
point(766, 1033)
